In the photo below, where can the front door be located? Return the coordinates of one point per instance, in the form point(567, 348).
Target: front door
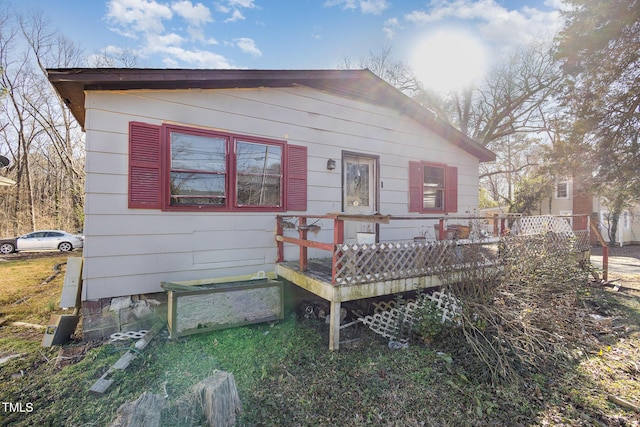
point(359, 191)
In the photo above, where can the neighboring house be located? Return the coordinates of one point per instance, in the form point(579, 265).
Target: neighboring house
point(628, 230)
point(569, 199)
point(186, 170)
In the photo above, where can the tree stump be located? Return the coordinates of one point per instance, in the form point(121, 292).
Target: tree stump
point(219, 399)
point(143, 412)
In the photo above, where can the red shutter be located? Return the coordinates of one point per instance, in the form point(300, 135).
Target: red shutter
point(144, 166)
point(451, 189)
point(416, 184)
point(296, 197)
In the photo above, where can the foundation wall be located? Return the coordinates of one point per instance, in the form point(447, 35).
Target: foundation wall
point(105, 316)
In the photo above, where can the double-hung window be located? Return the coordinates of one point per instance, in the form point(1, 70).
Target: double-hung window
point(562, 190)
point(258, 174)
point(178, 168)
point(433, 187)
point(198, 171)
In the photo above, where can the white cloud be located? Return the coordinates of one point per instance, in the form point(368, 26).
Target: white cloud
point(462, 9)
point(390, 27)
point(372, 7)
point(557, 4)
point(246, 4)
point(236, 15)
point(174, 56)
point(195, 15)
point(113, 50)
point(234, 8)
point(147, 20)
point(347, 4)
point(497, 24)
point(160, 43)
point(222, 8)
point(135, 16)
point(247, 45)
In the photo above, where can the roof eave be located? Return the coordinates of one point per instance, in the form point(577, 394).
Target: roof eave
point(71, 84)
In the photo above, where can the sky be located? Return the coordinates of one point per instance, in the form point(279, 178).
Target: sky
point(447, 43)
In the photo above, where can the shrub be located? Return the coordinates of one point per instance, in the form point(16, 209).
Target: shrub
point(516, 317)
point(431, 320)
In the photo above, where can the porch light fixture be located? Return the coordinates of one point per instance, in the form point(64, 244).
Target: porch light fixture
point(331, 164)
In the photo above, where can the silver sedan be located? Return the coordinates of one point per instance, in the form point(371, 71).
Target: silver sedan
point(43, 240)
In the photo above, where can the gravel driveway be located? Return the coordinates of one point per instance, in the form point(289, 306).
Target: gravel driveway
point(622, 260)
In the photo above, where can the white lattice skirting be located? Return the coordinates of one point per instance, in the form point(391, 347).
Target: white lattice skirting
point(394, 321)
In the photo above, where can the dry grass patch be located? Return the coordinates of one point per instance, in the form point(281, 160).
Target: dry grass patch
point(25, 294)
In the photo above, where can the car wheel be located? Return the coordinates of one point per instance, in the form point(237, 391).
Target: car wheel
point(7, 248)
point(65, 246)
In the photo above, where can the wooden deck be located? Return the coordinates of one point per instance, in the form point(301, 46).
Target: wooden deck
point(317, 280)
point(354, 271)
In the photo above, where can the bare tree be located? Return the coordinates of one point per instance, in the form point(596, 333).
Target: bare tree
point(18, 135)
point(509, 113)
point(115, 57)
point(39, 134)
point(399, 75)
point(49, 112)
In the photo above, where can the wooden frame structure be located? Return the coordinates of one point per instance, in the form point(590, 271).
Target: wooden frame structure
point(357, 271)
point(236, 303)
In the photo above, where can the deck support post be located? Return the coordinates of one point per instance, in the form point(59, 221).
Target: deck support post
point(338, 239)
point(280, 232)
point(334, 326)
point(442, 233)
point(303, 249)
point(338, 231)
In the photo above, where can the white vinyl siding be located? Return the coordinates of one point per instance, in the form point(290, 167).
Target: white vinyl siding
point(130, 251)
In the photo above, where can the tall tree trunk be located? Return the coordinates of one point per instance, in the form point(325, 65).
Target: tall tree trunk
point(613, 230)
point(30, 201)
point(616, 211)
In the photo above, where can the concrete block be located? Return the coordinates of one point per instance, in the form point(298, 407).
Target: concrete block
point(119, 303)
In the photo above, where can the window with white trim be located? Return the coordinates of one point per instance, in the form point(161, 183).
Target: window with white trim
point(562, 190)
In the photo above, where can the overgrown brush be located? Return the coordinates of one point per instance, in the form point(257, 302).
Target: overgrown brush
point(521, 306)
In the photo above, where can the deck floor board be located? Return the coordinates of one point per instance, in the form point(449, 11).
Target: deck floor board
point(317, 268)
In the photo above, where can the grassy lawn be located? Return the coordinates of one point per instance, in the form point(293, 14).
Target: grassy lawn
point(28, 293)
point(287, 377)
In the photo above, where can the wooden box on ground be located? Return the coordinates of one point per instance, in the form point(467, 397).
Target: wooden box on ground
point(206, 307)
